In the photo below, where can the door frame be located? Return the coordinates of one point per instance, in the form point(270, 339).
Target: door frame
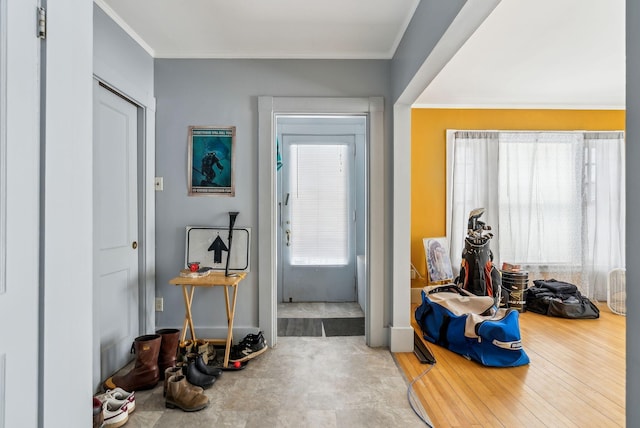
point(21, 186)
point(376, 334)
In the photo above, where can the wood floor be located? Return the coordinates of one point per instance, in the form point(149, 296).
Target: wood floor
point(576, 378)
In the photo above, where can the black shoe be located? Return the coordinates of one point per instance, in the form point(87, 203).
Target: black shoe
point(202, 367)
point(249, 347)
point(196, 377)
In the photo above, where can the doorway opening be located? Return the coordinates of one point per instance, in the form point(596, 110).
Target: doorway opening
point(373, 270)
point(321, 213)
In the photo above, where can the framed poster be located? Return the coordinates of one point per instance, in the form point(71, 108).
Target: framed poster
point(211, 160)
point(439, 269)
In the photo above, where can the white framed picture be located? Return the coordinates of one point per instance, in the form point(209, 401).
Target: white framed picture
point(209, 247)
point(439, 269)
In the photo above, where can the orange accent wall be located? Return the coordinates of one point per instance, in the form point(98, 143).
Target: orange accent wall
point(428, 153)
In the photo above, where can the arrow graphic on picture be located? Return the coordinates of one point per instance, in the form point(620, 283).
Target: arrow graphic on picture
point(218, 246)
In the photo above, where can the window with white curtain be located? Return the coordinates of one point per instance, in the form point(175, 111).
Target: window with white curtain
point(555, 200)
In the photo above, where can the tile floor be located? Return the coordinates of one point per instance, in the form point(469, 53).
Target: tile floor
point(320, 310)
point(302, 382)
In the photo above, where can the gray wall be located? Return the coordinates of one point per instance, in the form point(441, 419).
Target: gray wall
point(224, 92)
point(633, 211)
point(121, 63)
point(119, 60)
point(429, 22)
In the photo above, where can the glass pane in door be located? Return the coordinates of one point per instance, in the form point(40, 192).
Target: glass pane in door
point(319, 204)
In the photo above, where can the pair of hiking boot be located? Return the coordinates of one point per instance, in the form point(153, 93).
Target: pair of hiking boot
point(154, 354)
point(196, 371)
point(184, 384)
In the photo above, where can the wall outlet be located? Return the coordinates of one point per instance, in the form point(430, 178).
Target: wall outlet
point(159, 304)
point(159, 184)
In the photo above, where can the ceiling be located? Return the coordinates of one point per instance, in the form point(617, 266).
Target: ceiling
point(265, 28)
point(527, 53)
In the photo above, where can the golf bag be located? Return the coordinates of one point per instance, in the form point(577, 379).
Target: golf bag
point(471, 326)
point(478, 275)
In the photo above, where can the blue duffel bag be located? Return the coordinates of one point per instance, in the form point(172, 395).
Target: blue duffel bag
point(471, 326)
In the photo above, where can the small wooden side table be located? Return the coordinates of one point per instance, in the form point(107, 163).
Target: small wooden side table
point(215, 279)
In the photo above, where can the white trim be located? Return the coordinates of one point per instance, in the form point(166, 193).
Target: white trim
point(67, 203)
point(3, 148)
point(148, 230)
point(274, 55)
point(3, 383)
point(401, 330)
point(377, 333)
point(267, 270)
point(268, 108)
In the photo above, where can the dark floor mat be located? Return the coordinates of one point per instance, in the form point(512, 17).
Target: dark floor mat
point(299, 327)
point(343, 326)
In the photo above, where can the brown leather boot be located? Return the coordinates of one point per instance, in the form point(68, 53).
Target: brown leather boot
point(145, 374)
point(181, 396)
point(168, 348)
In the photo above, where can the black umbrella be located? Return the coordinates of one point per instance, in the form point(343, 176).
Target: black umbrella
point(232, 221)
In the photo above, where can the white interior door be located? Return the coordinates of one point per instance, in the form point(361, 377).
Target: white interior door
point(318, 218)
point(115, 228)
point(19, 213)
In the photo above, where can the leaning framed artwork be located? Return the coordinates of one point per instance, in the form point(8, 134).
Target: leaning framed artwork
point(439, 269)
point(211, 160)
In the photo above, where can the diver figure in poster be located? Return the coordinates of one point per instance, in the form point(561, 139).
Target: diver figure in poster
point(208, 162)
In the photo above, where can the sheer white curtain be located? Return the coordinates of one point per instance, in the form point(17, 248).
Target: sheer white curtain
point(554, 199)
point(604, 223)
point(540, 214)
point(472, 182)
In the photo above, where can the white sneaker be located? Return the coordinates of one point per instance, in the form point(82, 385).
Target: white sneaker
point(120, 394)
point(115, 412)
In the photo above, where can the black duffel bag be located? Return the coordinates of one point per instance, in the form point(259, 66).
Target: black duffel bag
point(559, 299)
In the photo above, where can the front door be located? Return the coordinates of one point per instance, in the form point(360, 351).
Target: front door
point(115, 228)
point(318, 218)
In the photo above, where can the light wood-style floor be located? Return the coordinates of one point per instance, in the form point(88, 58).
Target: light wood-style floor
point(576, 378)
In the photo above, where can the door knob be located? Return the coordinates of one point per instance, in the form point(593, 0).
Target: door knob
point(134, 245)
